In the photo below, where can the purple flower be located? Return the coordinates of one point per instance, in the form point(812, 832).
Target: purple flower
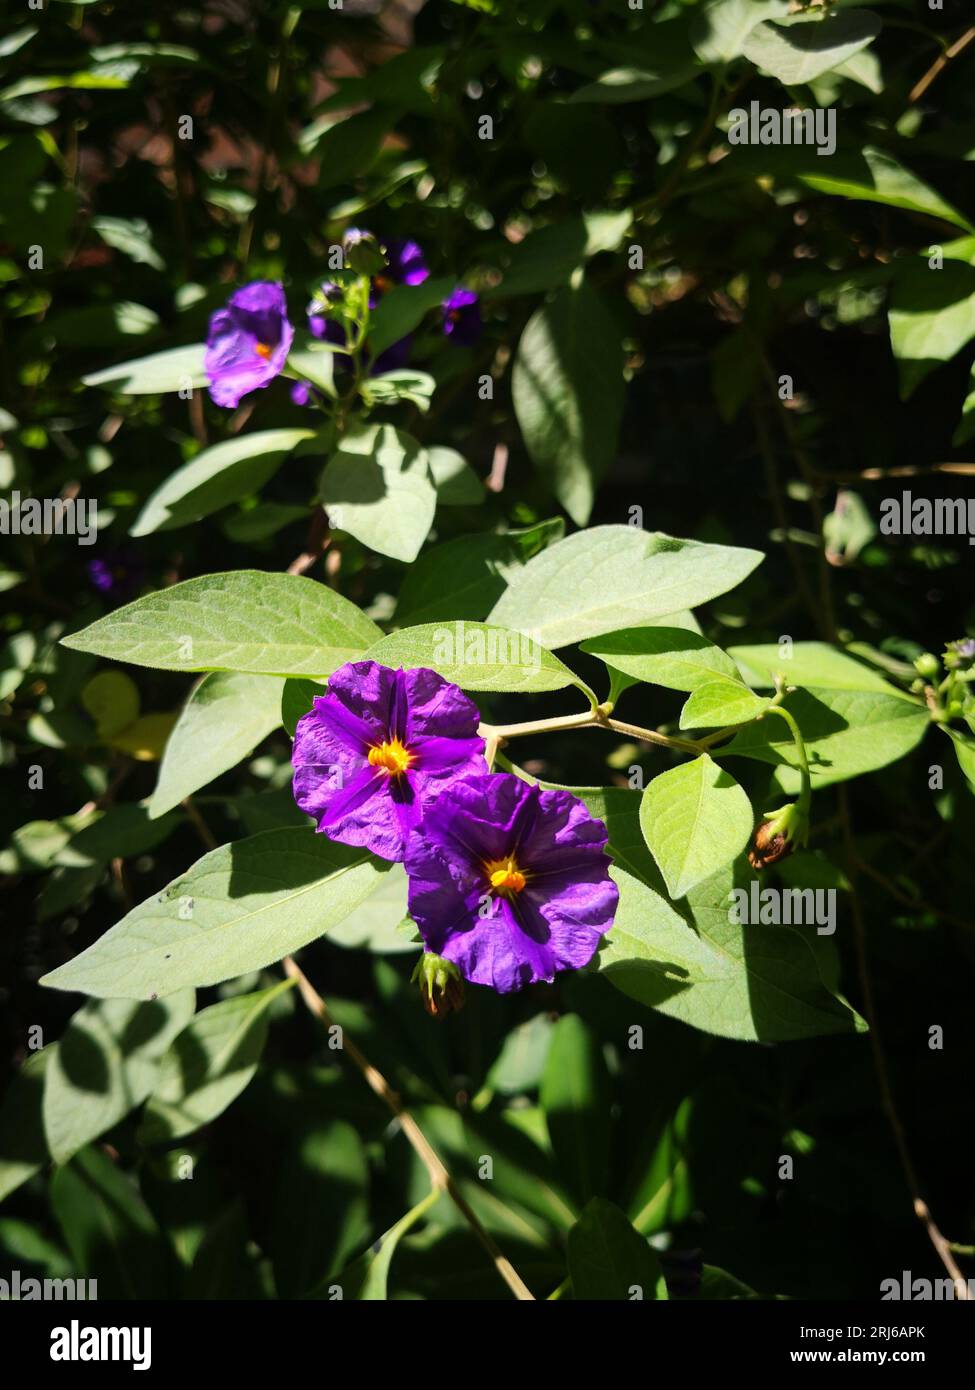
point(462, 318)
point(303, 393)
point(509, 882)
point(371, 753)
point(406, 266)
point(118, 572)
point(248, 341)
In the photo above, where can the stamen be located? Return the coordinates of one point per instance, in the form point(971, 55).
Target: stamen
point(391, 757)
point(263, 350)
point(504, 875)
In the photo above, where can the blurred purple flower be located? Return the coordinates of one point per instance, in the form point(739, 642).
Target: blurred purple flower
point(509, 882)
point(119, 572)
point(371, 752)
point(406, 266)
point(462, 318)
point(248, 342)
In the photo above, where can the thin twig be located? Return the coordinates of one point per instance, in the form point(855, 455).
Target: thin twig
point(440, 1179)
point(905, 899)
point(316, 543)
point(939, 65)
point(199, 824)
point(907, 470)
point(921, 1209)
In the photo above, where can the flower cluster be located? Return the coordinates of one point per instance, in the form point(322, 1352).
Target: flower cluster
point(508, 883)
point(250, 337)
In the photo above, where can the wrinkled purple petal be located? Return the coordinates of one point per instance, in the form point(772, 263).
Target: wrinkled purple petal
point(510, 940)
point(462, 318)
point(248, 342)
point(366, 706)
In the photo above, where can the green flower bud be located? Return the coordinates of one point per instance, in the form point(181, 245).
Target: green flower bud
point(927, 665)
point(777, 835)
point(363, 253)
point(441, 985)
point(960, 655)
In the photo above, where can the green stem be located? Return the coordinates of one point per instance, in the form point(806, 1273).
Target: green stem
point(804, 795)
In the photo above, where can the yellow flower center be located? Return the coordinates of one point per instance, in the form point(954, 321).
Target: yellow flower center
point(263, 350)
point(504, 875)
point(391, 757)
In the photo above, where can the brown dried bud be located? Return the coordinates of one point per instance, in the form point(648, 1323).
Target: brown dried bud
point(768, 846)
point(777, 835)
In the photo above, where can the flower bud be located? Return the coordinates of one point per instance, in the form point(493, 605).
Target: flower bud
point(960, 654)
point(777, 835)
point(441, 985)
point(927, 665)
point(362, 252)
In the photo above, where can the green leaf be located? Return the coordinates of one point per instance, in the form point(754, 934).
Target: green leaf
point(112, 700)
point(575, 1098)
point(720, 28)
point(241, 907)
point(224, 1264)
point(350, 147)
point(132, 236)
point(401, 310)
point(314, 361)
point(802, 47)
point(874, 176)
point(478, 656)
point(547, 257)
point(669, 656)
point(375, 925)
point(464, 577)
point(808, 663)
point(848, 528)
point(846, 732)
point(216, 477)
point(226, 716)
point(612, 577)
point(520, 1064)
point(695, 819)
point(609, 1260)
point(105, 1065)
point(208, 1065)
point(378, 488)
point(650, 952)
point(108, 1228)
point(716, 704)
point(247, 620)
point(367, 1278)
point(664, 1194)
point(403, 384)
point(319, 1207)
point(260, 522)
point(750, 982)
point(173, 370)
point(964, 751)
point(23, 1145)
point(121, 832)
point(669, 63)
point(932, 316)
point(297, 698)
point(567, 387)
point(456, 482)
